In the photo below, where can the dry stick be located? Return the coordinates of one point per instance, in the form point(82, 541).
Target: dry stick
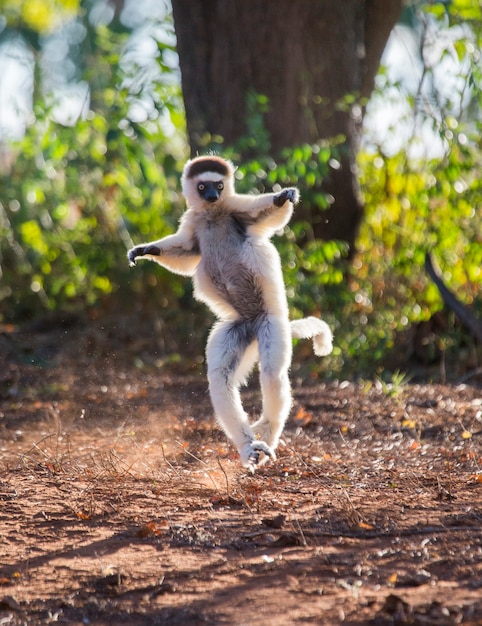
point(59, 432)
point(36, 447)
point(200, 461)
point(225, 477)
point(125, 467)
point(357, 517)
point(302, 535)
point(463, 312)
point(99, 462)
point(168, 462)
point(212, 480)
point(179, 443)
point(230, 497)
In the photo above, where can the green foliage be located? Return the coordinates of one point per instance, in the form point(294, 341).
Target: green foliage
point(415, 205)
point(467, 10)
point(411, 209)
point(77, 197)
point(40, 16)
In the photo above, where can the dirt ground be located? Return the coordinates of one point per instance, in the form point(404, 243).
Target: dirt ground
point(122, 503)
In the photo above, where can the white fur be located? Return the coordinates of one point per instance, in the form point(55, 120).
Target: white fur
point(224, 245)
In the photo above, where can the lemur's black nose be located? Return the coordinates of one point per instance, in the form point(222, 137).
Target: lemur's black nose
point(211, 196)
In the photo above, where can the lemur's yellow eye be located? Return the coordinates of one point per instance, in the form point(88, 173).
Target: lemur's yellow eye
point(220, 186)
point(201, 186)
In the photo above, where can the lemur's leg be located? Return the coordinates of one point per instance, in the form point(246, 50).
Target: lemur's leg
point(275, 348)
point(226, 348)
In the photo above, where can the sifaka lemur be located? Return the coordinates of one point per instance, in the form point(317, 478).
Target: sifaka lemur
point(223, 241)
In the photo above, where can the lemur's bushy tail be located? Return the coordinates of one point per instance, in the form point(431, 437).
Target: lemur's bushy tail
point(312, 327)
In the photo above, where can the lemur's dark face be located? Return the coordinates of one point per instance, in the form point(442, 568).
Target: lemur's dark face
point(207, 181)
point(210, 190)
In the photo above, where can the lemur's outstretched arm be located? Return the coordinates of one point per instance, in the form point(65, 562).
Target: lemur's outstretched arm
point(179, 252)
point(267, 212)
point(255, 205)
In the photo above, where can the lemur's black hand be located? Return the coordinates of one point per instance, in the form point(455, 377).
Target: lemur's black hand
point(290, 193)
point(141, 251)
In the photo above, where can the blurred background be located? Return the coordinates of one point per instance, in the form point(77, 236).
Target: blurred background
point(372, 108)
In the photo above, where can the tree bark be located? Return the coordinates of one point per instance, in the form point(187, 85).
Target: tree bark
point(306, 56)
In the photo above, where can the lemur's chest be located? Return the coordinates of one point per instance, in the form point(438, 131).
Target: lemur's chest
point(221, 235)
point(227, 260)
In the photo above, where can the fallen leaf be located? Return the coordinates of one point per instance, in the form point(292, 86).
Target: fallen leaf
point(151, 529)
point(303, 417)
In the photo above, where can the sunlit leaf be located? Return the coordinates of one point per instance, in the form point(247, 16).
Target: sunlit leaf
point(151, 529)
point(303, 417)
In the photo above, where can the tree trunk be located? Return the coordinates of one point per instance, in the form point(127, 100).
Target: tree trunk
point(306, 56)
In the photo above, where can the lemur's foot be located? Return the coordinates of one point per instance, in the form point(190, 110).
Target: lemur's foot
point(255, 454)
point(141, 251)
point(290, 193)
point(263, 430)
